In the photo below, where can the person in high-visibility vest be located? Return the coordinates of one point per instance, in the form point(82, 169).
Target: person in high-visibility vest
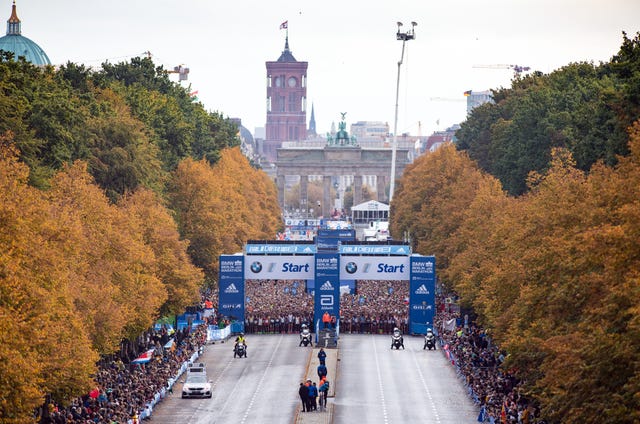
point(326, 319)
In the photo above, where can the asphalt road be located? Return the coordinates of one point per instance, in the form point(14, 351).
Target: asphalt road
point(262, 388)
point(380, 385)
point(374, 384)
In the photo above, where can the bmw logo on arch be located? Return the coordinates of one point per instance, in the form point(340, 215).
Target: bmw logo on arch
point(256, 267)
point(351, 267)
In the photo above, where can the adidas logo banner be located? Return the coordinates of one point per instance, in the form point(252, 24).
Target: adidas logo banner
point(326, 286)
point(231, 288)
point(422, 290)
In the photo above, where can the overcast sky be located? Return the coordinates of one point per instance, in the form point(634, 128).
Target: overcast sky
point(350, 46)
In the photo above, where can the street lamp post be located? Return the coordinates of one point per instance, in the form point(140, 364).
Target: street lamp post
point(404, 36)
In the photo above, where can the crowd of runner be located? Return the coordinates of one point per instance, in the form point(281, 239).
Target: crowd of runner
point(282, 306)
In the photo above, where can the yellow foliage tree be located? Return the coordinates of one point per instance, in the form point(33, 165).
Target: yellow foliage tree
point(43, 345)
point(114, 286)
point(219, 208)
point(173, 266)
point(432, 198)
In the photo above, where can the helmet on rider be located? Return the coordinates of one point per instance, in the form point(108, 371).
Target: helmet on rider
point(304, 325)
point(395, 329)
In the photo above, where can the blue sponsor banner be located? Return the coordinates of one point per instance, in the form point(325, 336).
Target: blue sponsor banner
point(329, 240)
point(422, 299)
point(327, 287)
point(231, 286)
point(371, 249)
point(340, 234)
point(280, 248)
point(327, 244)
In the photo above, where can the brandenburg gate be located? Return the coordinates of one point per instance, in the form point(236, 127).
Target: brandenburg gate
point(341, 156)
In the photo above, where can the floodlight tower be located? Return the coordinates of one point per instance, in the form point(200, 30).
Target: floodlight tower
point(404, 36)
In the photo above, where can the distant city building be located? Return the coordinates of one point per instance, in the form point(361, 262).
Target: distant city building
point(438, 138)
point(477, 98)
point(286, 102)
point(367, 130)
point(19, 45)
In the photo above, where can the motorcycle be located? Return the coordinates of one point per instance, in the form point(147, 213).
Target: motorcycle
point(429, 341)
point(240, 350)
point(397, 342)
point(305, 338)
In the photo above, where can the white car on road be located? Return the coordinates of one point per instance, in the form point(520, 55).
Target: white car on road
point(196, 385)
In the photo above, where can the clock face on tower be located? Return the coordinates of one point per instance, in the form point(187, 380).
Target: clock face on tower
point(292, 82)
point(278, 81)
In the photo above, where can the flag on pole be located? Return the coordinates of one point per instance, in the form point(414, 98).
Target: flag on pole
point(144, 357)
point(467, 93)
point(284, 25)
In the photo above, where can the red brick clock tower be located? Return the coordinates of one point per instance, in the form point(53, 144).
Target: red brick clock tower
point(286, 102)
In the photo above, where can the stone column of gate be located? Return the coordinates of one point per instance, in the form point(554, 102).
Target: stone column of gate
point(380, 182)
point(280, 185)
point(304, 195)
point(326, 196)
point(357, 189)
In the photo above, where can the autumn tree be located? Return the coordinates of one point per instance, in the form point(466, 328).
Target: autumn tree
point(44, 346)
point(173, 266)
point(114, 287)
point(219, 208)
point(431, 199)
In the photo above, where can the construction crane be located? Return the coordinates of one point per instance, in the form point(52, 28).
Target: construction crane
point(183, 73)
point(517, 69)
point(181, 70)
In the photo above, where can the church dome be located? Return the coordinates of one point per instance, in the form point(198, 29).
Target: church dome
point(21, 46)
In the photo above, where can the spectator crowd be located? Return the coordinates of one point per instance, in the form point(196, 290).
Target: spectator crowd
point(478, 364)
point(125, 390)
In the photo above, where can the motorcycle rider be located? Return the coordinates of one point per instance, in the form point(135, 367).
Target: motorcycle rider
point(304, 333)
point(240, 339)
point(429, 338)
point(397, 334)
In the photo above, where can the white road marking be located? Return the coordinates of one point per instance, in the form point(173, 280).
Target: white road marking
point(380, 385)
point(426, 388)
point(259, 385)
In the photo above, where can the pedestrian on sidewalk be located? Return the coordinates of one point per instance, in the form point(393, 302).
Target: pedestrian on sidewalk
point(303, 391)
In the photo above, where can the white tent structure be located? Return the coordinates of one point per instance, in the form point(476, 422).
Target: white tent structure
point(370, 211)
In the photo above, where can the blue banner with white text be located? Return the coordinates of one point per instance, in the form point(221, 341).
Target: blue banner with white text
point(327, 287)
point(231, 287)
point(422, 287)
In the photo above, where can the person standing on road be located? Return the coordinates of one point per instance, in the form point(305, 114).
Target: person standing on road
point(322, 355)
point(313, 396)
point(322, 371)
point(303, 391)
point(324, 390)
point(326, 319)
